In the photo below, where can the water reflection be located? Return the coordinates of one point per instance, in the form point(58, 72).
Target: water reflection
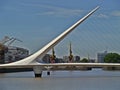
point(96, 79)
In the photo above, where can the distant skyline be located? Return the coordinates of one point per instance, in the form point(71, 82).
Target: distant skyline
point(36, 22)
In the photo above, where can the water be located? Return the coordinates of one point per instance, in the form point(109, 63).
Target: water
point(96, 79)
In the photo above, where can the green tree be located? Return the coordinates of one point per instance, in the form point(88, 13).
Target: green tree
point(112, 58)
point(84, 60)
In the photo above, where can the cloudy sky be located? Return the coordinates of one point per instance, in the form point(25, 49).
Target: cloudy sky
point(36, 22)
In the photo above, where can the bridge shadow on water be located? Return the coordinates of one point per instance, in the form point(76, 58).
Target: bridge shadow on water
point(64, 74)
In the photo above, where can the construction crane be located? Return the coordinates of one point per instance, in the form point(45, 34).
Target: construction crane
point(4, 40)
point(12, 40)
point(8, 41)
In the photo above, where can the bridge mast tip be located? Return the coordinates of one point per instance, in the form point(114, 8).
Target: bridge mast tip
point(98, 7)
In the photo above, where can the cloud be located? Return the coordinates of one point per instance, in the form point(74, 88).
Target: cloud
point(54, 10)
point(116, 13)
point(109, 14)
point(61, 12)
point(102, 16)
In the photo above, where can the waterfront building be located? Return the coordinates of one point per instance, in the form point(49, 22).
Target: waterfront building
point(100, 57)
point(66, 59)
point(76, 58)
point(59, 60)
point(46, 58)
point(11, 53)
point(3, 49)
point(92, 60)
point(15, 53)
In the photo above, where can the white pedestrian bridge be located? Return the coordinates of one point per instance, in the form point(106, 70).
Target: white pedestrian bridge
point(30, 62)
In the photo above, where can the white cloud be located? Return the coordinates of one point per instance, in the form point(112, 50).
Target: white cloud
point(109, 14)
point(53, 10)
point(102, 16)
point(116, 13)
point(61, 12)
point(57, 11)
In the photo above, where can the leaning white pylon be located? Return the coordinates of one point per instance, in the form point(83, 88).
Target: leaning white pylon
point(51, 44)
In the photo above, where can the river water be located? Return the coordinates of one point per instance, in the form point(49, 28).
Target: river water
point(95, 79)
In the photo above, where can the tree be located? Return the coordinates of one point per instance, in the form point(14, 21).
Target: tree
point(112, 58)
point(84, 60)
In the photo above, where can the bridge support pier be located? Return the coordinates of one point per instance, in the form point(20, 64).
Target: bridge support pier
point(37, 71)
point(48, 72)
